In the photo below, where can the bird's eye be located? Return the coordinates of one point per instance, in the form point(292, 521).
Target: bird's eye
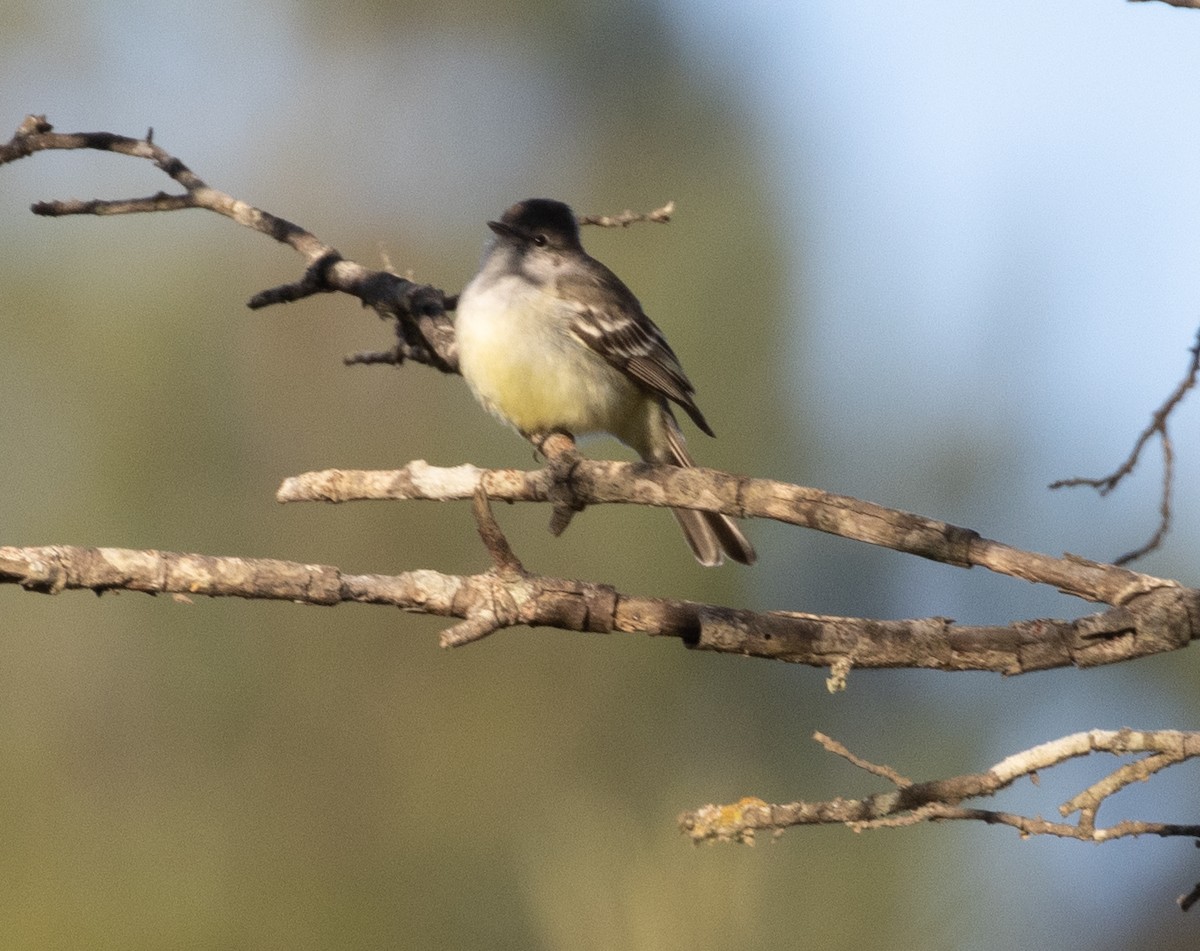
point(540, 240)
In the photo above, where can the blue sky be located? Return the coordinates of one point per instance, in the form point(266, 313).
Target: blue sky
point(996, 221)
point(995, 213)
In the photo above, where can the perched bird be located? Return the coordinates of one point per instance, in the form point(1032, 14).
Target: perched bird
point(550, 339)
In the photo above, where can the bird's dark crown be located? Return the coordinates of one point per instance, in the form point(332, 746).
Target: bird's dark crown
point(542, 221)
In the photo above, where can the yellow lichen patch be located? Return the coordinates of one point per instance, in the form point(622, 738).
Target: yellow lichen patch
point(733, 822)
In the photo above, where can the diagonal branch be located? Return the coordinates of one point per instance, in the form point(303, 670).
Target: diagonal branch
point(424, 331)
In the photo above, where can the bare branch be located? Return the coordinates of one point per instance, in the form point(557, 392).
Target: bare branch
point(626, 218)
point(424, 331)
point(1158, 426)
point(1149, 615)
point(1160, 618)
point(508, 597)
point(940, 799)
point(838, 749)
point(596, 482)
point(504, 558)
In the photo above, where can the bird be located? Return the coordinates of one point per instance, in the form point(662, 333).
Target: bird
point(549, 339)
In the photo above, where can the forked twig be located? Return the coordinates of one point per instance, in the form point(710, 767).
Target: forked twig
point(941, 799)
point(1158, 426)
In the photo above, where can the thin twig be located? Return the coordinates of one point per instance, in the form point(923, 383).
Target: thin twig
point(886, 772)
point(1157, 427)
point(504, 558)
point(1164, 506)
point(626, 218)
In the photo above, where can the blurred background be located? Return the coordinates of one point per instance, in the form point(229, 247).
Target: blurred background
point(935, 255)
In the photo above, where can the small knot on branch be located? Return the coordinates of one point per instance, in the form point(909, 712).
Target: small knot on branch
point(33, 125)
point(475, 628)
point(494, 605)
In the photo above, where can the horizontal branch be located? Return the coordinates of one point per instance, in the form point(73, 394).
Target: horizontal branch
point(597, 482)
point(508, 596)
point(937, 800)
point(1148, 615)
point(912, 803)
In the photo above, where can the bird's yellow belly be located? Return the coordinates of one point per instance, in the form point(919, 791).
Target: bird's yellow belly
point(534, 375)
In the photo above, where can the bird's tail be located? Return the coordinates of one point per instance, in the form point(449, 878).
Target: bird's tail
point(710, 534)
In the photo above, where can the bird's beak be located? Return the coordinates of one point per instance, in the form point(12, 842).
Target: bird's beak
point(504, 230)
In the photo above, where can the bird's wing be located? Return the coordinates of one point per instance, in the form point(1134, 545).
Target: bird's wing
point(630, 341)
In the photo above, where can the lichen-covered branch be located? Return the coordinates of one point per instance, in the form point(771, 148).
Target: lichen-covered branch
point(911, 803)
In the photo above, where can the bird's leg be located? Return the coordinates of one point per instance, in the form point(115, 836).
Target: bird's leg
point(558, 448)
